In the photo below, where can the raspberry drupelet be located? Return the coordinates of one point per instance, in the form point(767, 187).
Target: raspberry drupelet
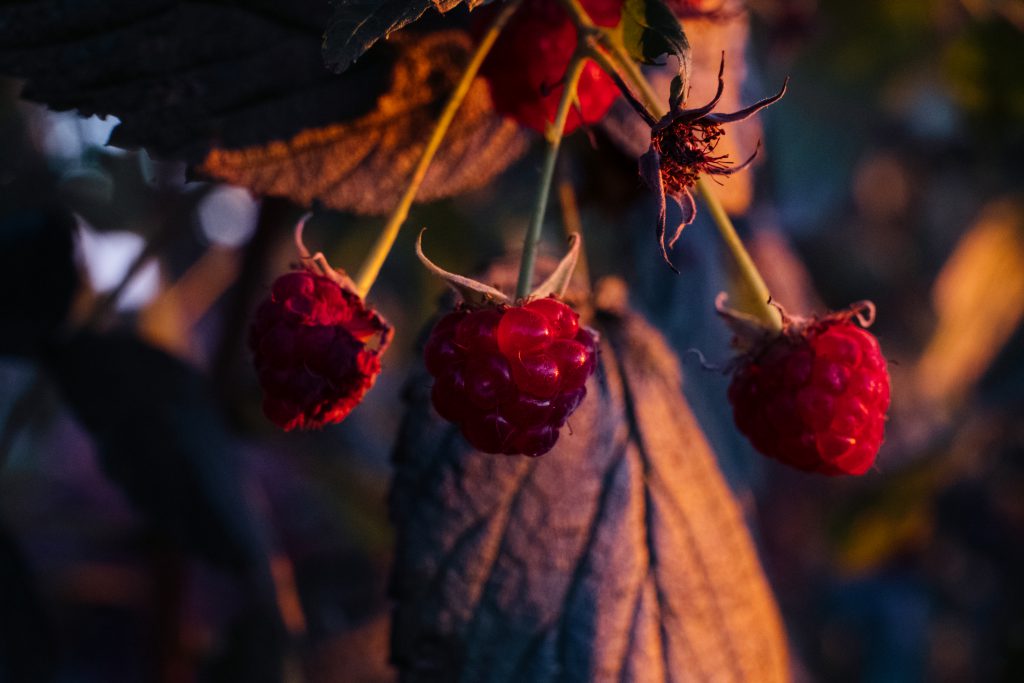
point(815, 397)
point(526, 69)
point(510, 376)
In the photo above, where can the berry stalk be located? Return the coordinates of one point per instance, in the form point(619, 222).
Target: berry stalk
point(526, 264)
point(614, 59)
point(367, 274)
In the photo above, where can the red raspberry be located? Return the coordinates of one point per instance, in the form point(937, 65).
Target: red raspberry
point(312, 344)
point(815, 396)
point(526, 67)
point(510, 377)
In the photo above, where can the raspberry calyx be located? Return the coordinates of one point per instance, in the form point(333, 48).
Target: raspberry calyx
point(815, 396)
point(316, 345)
point(510, 376)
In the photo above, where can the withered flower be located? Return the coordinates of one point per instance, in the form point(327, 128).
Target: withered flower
point(683, 149)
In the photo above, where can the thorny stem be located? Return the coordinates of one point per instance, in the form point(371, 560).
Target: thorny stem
point(619, 64)
point(555, 132)
point(382, 247)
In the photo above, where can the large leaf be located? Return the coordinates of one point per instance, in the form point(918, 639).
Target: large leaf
point(161, 441)
point(357, 24)
point(184, 75)
point(619, 555)
point(363, 165)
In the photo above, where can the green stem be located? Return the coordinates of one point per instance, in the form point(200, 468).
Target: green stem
point(748, 272)
point(555, 132)
point(382, 247)
point(618, 63)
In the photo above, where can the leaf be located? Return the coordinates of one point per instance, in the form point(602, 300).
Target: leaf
point(184, 75)
point(650, 30)
point(160, 440)
point(363, 165)
point(28, 642)
point(37, 272)
point(619, 555)
point(357, 24)
point(979, 299)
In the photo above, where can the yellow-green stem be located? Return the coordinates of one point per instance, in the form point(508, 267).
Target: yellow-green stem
point(749, 274)
point(382, 247)
point(618, 60)
point(555, 132)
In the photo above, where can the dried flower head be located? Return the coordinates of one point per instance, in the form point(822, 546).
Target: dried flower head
point(682, 149)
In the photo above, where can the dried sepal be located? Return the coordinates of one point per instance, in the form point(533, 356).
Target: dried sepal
point(474, 293)
point(558, 282)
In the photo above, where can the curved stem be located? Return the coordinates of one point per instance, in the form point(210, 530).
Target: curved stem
point(382, 247)
point(555, 132)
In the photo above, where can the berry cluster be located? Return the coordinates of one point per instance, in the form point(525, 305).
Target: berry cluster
point(526, 68)
point(310, 343)
point(815, 397)
point(510, 377)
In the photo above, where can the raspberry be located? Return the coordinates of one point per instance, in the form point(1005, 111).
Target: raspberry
point(815, 397)
point(510, 377)
point(311, 343)
point(526, 68)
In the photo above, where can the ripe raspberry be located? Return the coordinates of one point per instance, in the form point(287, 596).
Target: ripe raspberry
point(815, 396)
point(309, 341)
point(526, 67)
point(510, 377)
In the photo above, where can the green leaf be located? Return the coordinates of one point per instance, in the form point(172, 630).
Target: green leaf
point(650, 31)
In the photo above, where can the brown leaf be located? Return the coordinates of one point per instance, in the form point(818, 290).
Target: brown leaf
point(362, 165)
point(619, 555)
point(357, 24)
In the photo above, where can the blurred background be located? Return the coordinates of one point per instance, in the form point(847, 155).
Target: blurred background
point(891, 171)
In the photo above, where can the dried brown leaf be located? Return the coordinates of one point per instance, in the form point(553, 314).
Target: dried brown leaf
point(620, 555)
point(362, 165)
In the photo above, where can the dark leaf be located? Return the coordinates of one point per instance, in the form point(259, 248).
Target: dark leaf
point(364, 164)
point(161, 441)
point(619, 555)
point(184, 75)
point(651, 30)
point(37, 275)
point(357, 24)
point(28, 648)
